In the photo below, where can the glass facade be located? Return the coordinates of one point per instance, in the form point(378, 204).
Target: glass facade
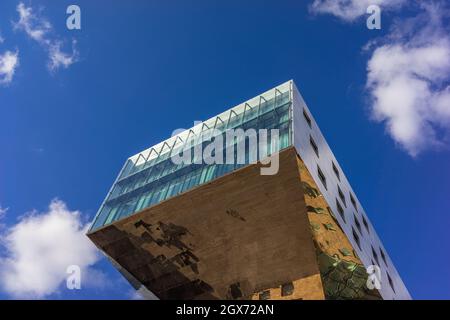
point(152, 176)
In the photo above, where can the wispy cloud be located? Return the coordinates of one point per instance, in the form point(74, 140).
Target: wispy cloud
point(35, 27)
point(2, 39)
point(58, 58)
point(9, 61)
point(350, 10)
point(409, 80)
point(40, 30)
point(40, 247)
point(408, 73)
point(3, 212)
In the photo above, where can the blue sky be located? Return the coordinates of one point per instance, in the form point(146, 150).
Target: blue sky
point(79, 102)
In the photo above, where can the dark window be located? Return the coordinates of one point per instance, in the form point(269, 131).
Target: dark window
point(356, 238)
point(314, 145)
point(340, 210)
point(366, 225)
point(265, 295)
point(307, 118)
point(341, 195)
point(357, 224)
point(391, 283)
point(352, 199)
point(375, 256)
point(330, 212)
point(336, 171)
point(383, 256)
point(287, 289)
point(235, 290)
point(322, 177)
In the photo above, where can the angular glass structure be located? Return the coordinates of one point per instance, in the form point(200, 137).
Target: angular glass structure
point(152, 176)
point(172, 230)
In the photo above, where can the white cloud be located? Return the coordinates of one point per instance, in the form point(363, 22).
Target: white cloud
point(409, 81)
point(35, 27)
point(59, 58)
point(1, 38)
point(40, 247)
point(9, 61)
point(350, 10)
point(3, 212)
point(40, 29)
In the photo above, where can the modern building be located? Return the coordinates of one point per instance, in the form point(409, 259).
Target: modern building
point(198, 230)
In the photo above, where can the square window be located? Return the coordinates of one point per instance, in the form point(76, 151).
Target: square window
point(340, 209)
point(345, 252)
point(356, 238)
point(341, 195)
point(235, 290)
point(317, 210)
point(307, 118)
point(314, 145)
point(391, 283)
point(357, 224)
point(336, 171)
point(287, 289)
point(322, 177)
point(383, 256)
point(265, 295)
point(366, 225)
point(353, 201)
point(315, 226)
point(375, 256)
point(330, 212)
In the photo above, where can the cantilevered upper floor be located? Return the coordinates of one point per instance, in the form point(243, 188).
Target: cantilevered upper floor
point(151, 176)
